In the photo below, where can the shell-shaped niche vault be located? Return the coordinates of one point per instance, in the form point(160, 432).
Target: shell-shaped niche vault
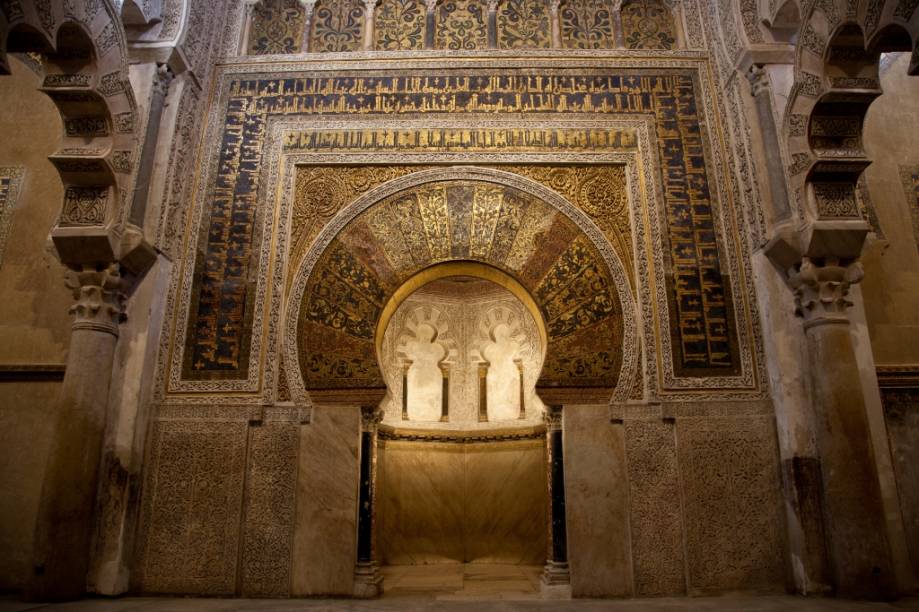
point(527, 238)
point(462, 353)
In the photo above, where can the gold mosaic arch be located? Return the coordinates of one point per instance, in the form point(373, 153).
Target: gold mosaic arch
point(463, 216)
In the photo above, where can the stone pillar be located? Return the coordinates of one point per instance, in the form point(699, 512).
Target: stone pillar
point(859, 554)
point(759, 87)
point(248, 7)
point(523, 405)
point(430, 22)
point(369, 9)
point(406, 366)
point(60, 556)
point(483, 391)
point(368, 582)
point(556, 577)
point(492, 24)
point(445, 393)
point(308, 6)
point(556, 23)
point(163, 77)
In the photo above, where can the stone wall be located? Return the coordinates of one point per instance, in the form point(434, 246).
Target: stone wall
point(34, 324)
point(891, 285)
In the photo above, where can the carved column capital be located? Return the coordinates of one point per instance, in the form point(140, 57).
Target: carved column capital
point(820, 289)
point(493, 6)
point(431, 5)
point(554, 5)
point(553, 418)
point(371, 416)
point(308, 6)
point(99, 295)
point(759, 80)
point(163, 80)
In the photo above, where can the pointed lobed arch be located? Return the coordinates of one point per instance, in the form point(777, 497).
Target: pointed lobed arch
point(486, 217)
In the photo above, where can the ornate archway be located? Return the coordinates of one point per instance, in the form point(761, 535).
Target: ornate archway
point(518, 227)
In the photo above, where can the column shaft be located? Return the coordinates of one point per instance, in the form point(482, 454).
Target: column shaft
point(854, 515)
point(368, 582)
point(60, 557)
point(556, 577)
point(483, 392)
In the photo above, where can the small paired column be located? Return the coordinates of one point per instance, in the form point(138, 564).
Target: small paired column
point(406, 366)
point(556, 23)
point(369, 9)
point(492, 24)
point(248, 8)
point(430, 23)
point(308, 6)
point(523, 406)
point(483, 391)
point(556, 577)
point(445, 393)
point(368, 581)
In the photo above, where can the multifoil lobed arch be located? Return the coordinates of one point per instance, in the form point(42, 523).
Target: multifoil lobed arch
point(494, 218)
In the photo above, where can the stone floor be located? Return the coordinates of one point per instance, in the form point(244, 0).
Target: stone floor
point(502, 588)
point(458, 582)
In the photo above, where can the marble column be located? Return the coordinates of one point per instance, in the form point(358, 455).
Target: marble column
point(445, 393)
point(556, 577)
point(856, 533)
point(556, 23)
point(522, 393)
point(762, 97)
point(248, 7)
point(308, 6)
point(483, 391)
point(64, 523)
point(368, 581)
point(369, 9)
point(492, 24)
point(406, 366)
point(430, 23)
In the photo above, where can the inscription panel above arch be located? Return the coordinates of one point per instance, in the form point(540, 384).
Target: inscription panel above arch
point(705, 342)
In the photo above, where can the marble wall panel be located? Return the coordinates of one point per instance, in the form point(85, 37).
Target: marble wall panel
point(731, 495)
point(325, 532)
point(505, 509)
point(271, 482)
point(191, 510)
point(656, 513)
point(422, 503)
point(597, 503)
point(901, 412)
point(454, 502)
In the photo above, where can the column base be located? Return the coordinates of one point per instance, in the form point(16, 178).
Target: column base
point(555, 582)
point(368, 581)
